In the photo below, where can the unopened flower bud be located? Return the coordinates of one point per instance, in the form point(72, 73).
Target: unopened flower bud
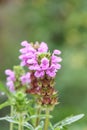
point(20, 102)
point(36, 45)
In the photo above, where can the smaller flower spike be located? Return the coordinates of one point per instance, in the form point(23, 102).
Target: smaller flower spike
point(10, 79)
point(17, 78)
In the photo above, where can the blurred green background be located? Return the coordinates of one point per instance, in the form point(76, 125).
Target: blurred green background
point(63, 25)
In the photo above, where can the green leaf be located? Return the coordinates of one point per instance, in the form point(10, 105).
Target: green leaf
point(6, 103)
point(9, 119)
point(68, 121)
point(3, 88)
point(65, 128)
point(38, 127)
point(57, 128)
point(42, 116)
point(28, 125)
point(51, 126)
point(31, 111)
point(13, 120)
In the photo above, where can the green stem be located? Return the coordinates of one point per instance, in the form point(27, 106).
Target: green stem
point(20, 122)
point(38, 114)
point(11, 123)
point(46, 124)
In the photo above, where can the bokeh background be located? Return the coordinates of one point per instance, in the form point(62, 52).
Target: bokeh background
point(63, 25)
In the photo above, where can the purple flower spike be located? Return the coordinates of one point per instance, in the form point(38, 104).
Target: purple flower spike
point(44, 63)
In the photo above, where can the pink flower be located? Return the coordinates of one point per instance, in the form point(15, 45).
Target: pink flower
point(23, 63)
point(10, 85)
point(11, 75)
point(56, 52)
point(34, 67)
point(28, 54)
point(57, 66)
point(51, 72)
point(25, 79)
point(25, 43)
point(27, 49)
point(31, 61)
point(55, 59)
point(39, 74)
point(43, 47)
point(44, 63)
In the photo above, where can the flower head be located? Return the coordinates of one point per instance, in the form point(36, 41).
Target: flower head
point(43, 67)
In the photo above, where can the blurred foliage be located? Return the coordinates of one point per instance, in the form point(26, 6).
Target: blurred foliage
point(63, 25)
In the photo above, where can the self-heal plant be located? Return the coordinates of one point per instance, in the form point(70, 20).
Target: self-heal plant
point(32, 94)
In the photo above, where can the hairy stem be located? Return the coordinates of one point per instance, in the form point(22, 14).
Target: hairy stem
point(38, 114)
point(46, 124)
point(11, 123)
point(20, 122)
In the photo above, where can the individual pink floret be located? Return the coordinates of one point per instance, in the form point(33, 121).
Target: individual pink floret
point(39, 74)
point(25, 79)
point(43, 47)
point(44, 64)
point(10, 85)
point(55, 59)
point(56, 52)
point(51, 72)
point(10, 74)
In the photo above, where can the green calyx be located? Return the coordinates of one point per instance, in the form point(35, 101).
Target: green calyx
point(42, 55)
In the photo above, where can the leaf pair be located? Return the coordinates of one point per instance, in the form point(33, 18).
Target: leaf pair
point(58, 126)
